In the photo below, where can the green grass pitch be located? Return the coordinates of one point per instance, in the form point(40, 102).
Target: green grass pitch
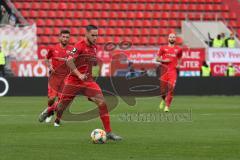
point(212, 132)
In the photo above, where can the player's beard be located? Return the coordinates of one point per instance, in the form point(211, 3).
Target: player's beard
point(172, 42)
point(64, 44)
point(90, 42)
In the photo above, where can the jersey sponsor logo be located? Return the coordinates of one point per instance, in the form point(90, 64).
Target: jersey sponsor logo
point(74, 50)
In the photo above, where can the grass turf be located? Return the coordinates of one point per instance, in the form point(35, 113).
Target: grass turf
point(211, 133)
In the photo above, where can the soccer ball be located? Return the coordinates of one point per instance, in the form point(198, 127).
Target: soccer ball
point(98, 136)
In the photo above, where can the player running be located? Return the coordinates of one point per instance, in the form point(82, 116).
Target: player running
point(57, 54)
point(170, 59)
point(80, 80)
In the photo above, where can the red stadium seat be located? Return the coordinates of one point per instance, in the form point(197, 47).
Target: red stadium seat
point(145, 31)
point(165, 15)
point(149, 7)
point(48, 31)
point(62, 6)
point(18, 5)
point(129, 23)
point(36, 5)
point(85, 22)
point(58, 22)
point(115, 6)
point(154, 31)
point(153, 40)
point(232, 23)
point(106, 6)
point(52, 14)
point(67, 22)
point(40, 23)
point(136, 31)
point(80, 6)
point(97, 6)
point(45, 6)
point(119, 31)
point(144, 40)
point(103, 23)
point(136, 40)
point(49, 22)
point(40, 31)
point(225, 8)
point(102, 31)
point(71, 6)
point(78, 15)
point(44, 39)
point(139, 15)
point(54, 39)
point(54, 6)
point(60, 14)
point(110, 31)
point(209, 17)
point(56, 30)
point(32, 14)
point(26, 5)
point(76, 23)
point(127, 31)
point(232, 15)
point(74, 31)
point(89, 6)
point(112, 23)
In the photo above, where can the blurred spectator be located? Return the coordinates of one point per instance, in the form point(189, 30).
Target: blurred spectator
point(12, 20)
point(223, 36)
point(230, 71)
point(131, 73)
point(2, 62)
point(205, 70)
point(230, 42)
point(4, 16)
point(143, 72)
point(217, 42)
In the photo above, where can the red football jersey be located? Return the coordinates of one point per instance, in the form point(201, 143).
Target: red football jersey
point(85, 57)
point(171, 53)
point(58, 52)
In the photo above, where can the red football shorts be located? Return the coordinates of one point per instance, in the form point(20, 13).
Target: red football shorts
point(73, 87)
point(168, 78)
point(55, 85)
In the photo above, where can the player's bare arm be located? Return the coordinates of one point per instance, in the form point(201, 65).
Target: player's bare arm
point(179, 63)
point(49, 65)
point(70, 63)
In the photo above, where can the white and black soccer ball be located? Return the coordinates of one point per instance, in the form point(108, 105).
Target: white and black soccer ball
point(98, 136)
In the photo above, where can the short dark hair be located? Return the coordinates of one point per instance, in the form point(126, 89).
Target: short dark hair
point(91, 27)
point(64, 31)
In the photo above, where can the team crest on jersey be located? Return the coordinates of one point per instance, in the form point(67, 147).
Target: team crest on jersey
point(74, 50)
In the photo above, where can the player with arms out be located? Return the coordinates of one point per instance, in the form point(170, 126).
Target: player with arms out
point(56, 57)
point(169, 58)
point(80, 80)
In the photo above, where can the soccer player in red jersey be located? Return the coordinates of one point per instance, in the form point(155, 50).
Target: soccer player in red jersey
point(170, 59)
point(80, 80)
point(57, 56)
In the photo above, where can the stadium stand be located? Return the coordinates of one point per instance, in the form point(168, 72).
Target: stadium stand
point(138, 20)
